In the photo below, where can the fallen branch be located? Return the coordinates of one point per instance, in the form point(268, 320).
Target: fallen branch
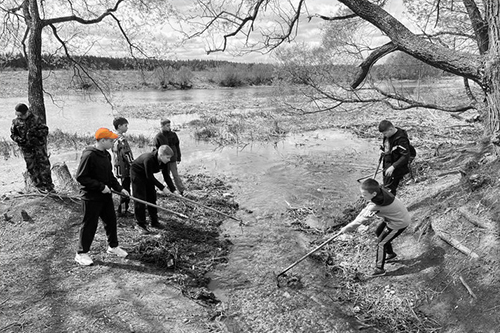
point(456, 244)
point(475, 220)
point(45, 195)
point(206, 207)
point(448, 172)
point(467, 287)
point(425, 227)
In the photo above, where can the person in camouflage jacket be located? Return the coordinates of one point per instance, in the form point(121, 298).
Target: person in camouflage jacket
point(30, 134)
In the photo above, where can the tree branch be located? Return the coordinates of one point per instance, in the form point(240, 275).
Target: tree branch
point(332, 18)
point(77, 65)
point(416, 104)
point(78, 19)
point(131, 45)
point(452, 61)
point(370, 60)
point(478, 24)
point(448, 33)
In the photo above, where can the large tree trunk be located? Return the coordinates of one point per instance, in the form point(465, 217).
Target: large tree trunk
point(492, 68)
point(34, 60)
point(35, 78)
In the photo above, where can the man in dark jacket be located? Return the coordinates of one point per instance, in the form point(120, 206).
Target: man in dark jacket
point(142, 172)
point(30, 134)
point(168, 137)
point(95, 174)
point(395, 156)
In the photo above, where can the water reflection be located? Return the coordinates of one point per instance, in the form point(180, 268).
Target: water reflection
point(83, 114)
point(267, 173)
point(264, 175)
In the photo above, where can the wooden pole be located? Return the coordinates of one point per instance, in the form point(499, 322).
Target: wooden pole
point(206, 207)
point(311, 252)
point(152, 205)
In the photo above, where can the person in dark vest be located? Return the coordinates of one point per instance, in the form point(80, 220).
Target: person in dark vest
point(144, 182)
point(95, 175)
point(123, 157)
point(395, 154)
point(396, 219)
point(30, 133)
point(168, 137)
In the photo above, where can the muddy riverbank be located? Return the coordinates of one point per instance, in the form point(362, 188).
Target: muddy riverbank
point(289, 201)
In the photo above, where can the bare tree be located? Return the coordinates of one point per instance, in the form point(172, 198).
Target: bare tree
point(28, 23)
point(480, 64)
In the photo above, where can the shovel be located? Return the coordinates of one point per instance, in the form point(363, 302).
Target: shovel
point(311, 252)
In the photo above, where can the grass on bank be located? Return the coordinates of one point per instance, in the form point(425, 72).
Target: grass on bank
point(59, 140)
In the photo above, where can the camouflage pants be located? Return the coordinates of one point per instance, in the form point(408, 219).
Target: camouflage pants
point(38, 165)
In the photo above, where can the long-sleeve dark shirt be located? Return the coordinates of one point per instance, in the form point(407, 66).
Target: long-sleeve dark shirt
point(172, 140)
point(397, 152)
point(145, 166)
point(95, 171)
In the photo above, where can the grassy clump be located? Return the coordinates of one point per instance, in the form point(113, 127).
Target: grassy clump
point(240, 128)
point(60, 140)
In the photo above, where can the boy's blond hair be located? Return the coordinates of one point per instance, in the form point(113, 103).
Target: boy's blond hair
point(165, 150)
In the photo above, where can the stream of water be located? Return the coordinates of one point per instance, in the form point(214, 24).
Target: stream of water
point(266, 177)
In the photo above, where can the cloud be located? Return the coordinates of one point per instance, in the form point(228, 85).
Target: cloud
point(166, 39)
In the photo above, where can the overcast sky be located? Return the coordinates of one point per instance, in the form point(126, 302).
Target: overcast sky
point(161, 37)
point(309, 32)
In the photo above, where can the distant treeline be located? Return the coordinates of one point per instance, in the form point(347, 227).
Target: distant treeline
point(17, 61)
point(180, 73)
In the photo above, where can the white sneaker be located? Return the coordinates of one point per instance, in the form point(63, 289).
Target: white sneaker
point(118, 251)
point(83, 259)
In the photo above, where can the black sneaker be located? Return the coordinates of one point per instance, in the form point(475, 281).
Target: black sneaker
point(157, 225)
point(391, 257)
point(378, 272)
point(142, 229)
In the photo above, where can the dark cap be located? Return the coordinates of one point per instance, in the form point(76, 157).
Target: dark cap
point(21, 107)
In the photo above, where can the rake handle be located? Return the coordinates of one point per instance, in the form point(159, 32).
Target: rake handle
point(151, 204)
point(310, 252)
point(210, 208)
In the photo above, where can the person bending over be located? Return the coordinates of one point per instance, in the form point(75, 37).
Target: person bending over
point(395, 220)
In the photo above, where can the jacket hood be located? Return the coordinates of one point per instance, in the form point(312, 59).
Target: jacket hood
point(400, 133)
point(92, 149)
point(383, 198)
